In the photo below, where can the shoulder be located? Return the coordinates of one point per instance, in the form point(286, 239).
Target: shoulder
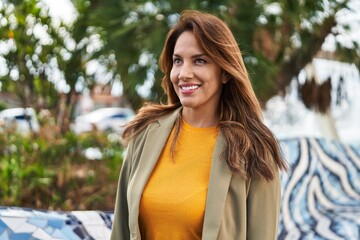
point(155, 127)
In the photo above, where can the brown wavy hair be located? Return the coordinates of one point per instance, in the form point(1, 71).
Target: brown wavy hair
point(251, 146)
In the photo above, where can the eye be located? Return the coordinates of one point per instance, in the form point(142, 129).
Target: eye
point(177, 61)
point(200, 61)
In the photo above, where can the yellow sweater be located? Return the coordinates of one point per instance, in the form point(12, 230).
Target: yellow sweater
point(173, 202)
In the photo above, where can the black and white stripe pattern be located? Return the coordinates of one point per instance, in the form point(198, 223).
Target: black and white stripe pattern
point(321, 192)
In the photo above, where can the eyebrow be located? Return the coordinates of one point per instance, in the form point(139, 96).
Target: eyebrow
point(194, 56)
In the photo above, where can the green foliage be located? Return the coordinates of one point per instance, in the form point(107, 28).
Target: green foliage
point(19, 170)
point(27, 55)
point(53, 172)
point(42, 54)
point(277, 38)
point(3, 106)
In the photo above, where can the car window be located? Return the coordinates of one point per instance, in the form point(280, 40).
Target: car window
point(22, 117)
point(120, 115)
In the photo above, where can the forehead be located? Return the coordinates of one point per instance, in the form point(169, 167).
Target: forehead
point(187, 42)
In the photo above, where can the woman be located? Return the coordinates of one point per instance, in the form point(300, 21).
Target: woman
point(203, 166)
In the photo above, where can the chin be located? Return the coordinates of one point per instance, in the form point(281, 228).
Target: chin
point(188, 104)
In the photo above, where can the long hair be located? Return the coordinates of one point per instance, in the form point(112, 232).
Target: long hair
point(251, 146)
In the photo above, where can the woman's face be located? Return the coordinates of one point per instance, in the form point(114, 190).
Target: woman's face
point(196, 78)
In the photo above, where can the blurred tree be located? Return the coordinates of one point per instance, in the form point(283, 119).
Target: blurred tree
point(290, 36)
point(46, 59)
point(81, 46)
point(26, 53)
point(78, 46)
point(278, 38)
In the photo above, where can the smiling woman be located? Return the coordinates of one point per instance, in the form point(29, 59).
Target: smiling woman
point(204, 165)
point(197, 81)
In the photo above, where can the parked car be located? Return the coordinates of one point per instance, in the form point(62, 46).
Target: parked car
point(111, 119)
point(24, 119)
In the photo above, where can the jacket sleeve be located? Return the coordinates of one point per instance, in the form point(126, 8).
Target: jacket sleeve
point(263, 208)
point(120, 227)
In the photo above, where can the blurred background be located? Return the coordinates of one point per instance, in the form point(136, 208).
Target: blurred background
point(74, 72)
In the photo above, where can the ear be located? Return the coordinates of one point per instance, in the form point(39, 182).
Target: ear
point(225, 77)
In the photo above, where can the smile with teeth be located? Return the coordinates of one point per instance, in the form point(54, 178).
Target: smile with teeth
point(190, 87)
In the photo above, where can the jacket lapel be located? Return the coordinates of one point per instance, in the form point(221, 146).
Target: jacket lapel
point(156, 138)
point(220, 176)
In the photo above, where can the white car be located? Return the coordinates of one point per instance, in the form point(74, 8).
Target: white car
point(110, 119)
point(24, 119)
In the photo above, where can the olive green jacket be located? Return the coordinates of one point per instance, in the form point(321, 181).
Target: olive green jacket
point(235, 208)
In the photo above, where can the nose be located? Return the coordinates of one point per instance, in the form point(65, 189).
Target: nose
point(186, 71)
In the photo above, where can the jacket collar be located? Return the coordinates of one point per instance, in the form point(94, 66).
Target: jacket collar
point(220, 175)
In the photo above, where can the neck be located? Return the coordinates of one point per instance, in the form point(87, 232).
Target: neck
point(200, 119)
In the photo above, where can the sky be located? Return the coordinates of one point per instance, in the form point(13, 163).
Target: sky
point(62, 9)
